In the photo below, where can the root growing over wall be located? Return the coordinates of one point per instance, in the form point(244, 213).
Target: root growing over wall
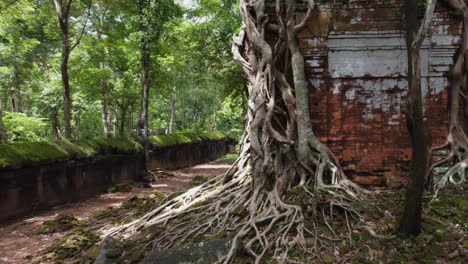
point(452, 167)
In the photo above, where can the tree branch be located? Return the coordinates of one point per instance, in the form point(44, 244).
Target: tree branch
point(84, 27)
point(311, 6)
point(424, 25)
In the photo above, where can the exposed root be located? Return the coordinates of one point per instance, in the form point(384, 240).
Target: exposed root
point(286, 185)
point(161, 174)
point(452, 167)
point(265, 223)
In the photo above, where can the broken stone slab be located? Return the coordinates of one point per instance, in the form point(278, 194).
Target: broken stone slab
point(108, 250)
point(197, 253)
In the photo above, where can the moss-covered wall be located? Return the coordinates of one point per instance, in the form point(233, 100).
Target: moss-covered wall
point(184, 138)
point(30, 154)
point(37, 176)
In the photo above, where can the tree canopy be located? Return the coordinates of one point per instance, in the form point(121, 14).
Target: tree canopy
point(193, 79)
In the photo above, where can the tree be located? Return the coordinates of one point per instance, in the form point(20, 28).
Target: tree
point(3, 135)
point(456, 158)
point(100, 25)
point(152, 15)
point(63, 10)
point(282, 168)
point(411, 221)
point(18, 44)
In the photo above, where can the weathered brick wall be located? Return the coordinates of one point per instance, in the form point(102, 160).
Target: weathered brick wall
point(356, 63)
point(26, 191)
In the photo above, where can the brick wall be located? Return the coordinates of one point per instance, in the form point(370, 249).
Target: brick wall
point(356, 64)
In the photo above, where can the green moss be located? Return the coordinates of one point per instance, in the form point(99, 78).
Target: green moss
point(23, 154)
point(198, 180)
point(63, 222)
point(185, 138)
point(111, 145)
point(137, 255)
point(76, 151)
point(72, 245)
point(106, 213)
point(159, 196)
point(212, 135)
point(239, 210)
point(140, 205)
point(230, 158)
point(174, 195)
point(122, 187)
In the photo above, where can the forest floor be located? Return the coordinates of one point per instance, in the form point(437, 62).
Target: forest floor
point(71, 234)
point(27, 240)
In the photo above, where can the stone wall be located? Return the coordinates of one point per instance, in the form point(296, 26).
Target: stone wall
point(356, 63)
point(26, 191)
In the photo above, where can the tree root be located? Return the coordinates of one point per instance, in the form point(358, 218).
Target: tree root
point(285, 185)
point(453, 166)
point(266, 224)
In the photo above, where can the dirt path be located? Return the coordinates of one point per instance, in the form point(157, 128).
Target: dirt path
point(19, 245)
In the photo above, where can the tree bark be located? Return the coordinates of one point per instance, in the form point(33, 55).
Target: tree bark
point(62, 7)
point(55, 123)
point(273, 176)
point(411, 221)
point(106, 117)
point(145, 79)
point(123, 116)
point(16, 95)
point(173, 110)
point(3, 134)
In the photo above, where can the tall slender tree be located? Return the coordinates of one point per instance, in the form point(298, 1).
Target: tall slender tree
point(99, 24)
point(63, 10)
point(152, 15)
point(411, 221)
point(3, 135)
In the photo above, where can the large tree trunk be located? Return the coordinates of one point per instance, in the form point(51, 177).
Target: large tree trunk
point(282, 166)
point(411, 221)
